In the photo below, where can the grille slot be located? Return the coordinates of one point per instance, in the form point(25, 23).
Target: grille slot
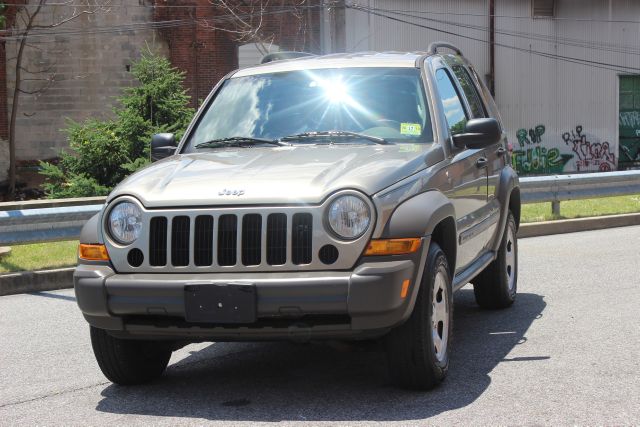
point(180, 241)
point(158, 241)
point(227, 240)
point(276, 239)
point(251, 239)
point(203, 241)
point(301, 234)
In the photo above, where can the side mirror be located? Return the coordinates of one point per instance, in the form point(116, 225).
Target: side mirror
point(162, 145)
point(479, 133)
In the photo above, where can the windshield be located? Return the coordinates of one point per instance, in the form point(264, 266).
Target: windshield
point(386, 103)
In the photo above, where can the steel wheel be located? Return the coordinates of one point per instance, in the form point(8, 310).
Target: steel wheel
point(418, 350)
point(440, 316)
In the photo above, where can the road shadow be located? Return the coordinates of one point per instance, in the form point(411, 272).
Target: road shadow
point(52, 296)
point(323, 382)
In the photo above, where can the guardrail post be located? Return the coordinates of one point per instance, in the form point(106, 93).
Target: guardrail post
point(555, 208)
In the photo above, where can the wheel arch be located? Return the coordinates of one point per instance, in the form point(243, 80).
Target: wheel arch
point(418, 216)
point(508, 195)
point(427, 214)
point(514, 205)
point(445, 236)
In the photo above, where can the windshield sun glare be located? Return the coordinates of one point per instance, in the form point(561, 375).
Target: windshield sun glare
point(385, 103)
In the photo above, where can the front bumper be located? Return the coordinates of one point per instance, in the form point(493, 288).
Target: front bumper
point(362, 303)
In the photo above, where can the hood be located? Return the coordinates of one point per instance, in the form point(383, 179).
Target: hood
point(271, 175)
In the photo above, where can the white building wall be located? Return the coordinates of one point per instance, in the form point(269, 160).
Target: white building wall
point(367, 31)
point(576, 105)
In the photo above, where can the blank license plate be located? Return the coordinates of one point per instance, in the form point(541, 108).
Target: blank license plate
point(220, 303)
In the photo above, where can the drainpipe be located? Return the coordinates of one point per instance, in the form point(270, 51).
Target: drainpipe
point(492, 47)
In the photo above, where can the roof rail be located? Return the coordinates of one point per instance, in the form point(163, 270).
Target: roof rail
point(279, 56)
point(433, 47)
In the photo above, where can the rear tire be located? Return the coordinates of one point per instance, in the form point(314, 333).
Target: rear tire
point(129, 362)
point(418, 350)
point(497, 285)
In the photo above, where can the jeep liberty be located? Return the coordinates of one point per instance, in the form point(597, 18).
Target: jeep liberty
point(336, 197)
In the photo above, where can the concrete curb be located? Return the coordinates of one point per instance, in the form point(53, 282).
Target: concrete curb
point(62, 278)
point(562, 226)
point(34, 281)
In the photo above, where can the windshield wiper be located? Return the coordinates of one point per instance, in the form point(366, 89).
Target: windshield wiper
point(333, 134)
point(238, 141)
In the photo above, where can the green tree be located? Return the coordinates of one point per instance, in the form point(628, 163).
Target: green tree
point(103, 152)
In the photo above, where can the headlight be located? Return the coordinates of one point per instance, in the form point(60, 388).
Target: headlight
point(125, 222)
point(349, 217)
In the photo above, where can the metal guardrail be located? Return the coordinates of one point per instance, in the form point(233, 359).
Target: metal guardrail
point(51, 220)
point(558, 188)
point(44, 224)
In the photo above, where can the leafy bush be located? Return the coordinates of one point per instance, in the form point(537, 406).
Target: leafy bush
point(103, 152)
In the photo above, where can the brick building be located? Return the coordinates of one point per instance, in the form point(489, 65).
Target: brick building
point(87, 60)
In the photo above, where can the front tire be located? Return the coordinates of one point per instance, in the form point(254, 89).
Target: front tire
point(418, 350)
point(497, 285)
point(129, 362)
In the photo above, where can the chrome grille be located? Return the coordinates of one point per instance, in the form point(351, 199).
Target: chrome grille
point(227, 236)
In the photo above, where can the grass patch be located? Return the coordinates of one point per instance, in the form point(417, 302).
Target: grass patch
point(40, 256)
point(536, 212)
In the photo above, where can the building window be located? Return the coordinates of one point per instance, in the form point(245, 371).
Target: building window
point(542, 8)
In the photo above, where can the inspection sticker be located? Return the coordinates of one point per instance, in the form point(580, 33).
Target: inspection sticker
point(410, 129)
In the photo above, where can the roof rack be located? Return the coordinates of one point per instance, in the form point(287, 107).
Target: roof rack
point(433, 48)
point(279, 56)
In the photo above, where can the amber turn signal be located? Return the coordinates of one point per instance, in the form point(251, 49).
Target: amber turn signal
point(393, 246)
point(405, 288)
point(93, 252)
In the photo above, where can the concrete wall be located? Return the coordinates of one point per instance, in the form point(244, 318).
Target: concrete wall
point(561, 116)
point(88, 70)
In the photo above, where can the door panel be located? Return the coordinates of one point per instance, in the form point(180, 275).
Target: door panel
point(483, 231)
point(469, 198)
point(468, 171)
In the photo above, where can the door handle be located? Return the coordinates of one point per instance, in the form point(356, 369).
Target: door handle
point(500, 151)
point(481, 162)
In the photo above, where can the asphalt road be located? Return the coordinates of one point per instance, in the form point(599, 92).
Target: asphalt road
point(568, 352)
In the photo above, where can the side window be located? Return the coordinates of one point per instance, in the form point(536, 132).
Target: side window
point(453, 108)
point(470, 91)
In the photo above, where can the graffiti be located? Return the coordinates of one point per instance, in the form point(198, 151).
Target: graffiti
point(627, 149)
point(590, 156)
point(534, 136)
point(535, 158)
point(630, 119)
point(540, 153)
